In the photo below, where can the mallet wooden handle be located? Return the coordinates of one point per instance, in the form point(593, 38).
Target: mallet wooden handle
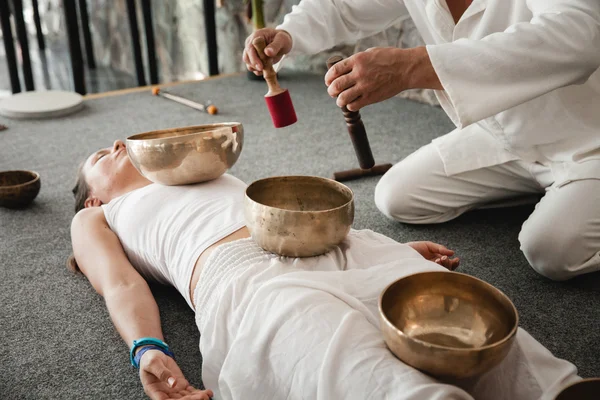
point(356, 129)
point(269, 73)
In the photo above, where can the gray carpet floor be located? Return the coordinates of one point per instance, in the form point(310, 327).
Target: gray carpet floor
point(56, 339)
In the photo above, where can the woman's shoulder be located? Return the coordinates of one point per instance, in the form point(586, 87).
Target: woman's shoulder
point(90, 215)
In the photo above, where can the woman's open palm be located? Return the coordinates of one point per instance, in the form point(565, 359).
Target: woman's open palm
point(163, 380)
point(437, 253)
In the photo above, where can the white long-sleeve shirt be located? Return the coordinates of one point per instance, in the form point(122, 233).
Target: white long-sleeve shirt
point(521, 77)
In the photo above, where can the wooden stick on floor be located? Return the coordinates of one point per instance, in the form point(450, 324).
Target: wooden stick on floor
point(209, 108)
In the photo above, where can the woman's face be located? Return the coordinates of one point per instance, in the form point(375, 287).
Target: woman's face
point(108, 172)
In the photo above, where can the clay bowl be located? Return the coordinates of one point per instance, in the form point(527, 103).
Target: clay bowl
point(298, 216)
point(586, 389)
point(186, 155)
point(18, 188)
point(447, 324)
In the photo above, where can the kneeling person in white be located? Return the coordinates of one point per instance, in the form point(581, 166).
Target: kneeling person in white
point(520, 80)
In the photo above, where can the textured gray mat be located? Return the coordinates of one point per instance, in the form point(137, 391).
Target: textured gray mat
point(56, 339)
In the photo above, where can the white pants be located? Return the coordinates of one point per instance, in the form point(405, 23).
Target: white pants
point(561, 238)
point(308, 328)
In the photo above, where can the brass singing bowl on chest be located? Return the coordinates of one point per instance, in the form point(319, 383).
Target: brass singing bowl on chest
point(191, 154)
point(298, 216)
point(447, 324)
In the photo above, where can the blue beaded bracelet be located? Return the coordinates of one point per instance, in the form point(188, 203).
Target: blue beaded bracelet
point(151, 342)
point(138, 356)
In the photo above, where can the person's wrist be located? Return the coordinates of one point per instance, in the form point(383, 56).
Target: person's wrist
point(420, 73)
point(149, 349)
point(142, 345)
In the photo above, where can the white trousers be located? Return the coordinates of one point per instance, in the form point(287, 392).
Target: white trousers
point(308, 328)
point(561, 238)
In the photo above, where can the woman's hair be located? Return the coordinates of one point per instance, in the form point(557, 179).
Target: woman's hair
point(81, 191)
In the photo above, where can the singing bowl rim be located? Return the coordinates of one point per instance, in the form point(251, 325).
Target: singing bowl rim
point(508, 337)
point(35, 176)
point(194, 130)
point(579, 382)
point(330, 181)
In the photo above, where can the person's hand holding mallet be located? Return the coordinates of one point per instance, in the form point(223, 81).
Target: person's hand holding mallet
point(360, 142)
point(278, 100)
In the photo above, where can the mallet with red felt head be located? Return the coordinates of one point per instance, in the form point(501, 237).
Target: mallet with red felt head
point(360, 142)
point(278, 100)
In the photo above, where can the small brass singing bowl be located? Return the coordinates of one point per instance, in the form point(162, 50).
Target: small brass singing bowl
point(298, 216)
point(447, 324)
point(585, 389)
point(192, 154)
point(18, 188)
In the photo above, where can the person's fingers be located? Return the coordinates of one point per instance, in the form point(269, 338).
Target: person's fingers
point(253, 58)
point(455, 263)
point(158, 393)
point(340, 84)
point(438, 248)
point(348, 96)
point(157, 368)
point(358, 103)
point(339, 69)
point(198, 395)
point(278, 43)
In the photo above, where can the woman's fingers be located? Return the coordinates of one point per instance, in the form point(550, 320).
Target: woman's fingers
point(157, 368)
point(199, 395)
point(449, 263)
point(438, 248)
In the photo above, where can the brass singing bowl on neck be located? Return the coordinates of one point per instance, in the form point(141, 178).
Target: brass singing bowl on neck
point(191, 154)
point(447, 324)
point(298, 216)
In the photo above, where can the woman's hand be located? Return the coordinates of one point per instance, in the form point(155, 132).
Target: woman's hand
point(279, 42)
point(436, 253)
point(163, 380)
point(377, 74)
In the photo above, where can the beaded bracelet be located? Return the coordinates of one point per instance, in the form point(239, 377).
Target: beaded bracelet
point(153, 344)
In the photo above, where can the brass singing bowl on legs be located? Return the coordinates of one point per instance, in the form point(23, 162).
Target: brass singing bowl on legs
point(447, 324)
point(186, 155)
point(18, 188)
point(298, 216)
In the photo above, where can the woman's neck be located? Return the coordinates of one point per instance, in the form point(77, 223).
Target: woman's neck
point(130, 187)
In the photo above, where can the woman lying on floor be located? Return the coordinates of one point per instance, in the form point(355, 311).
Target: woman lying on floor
point(272, 327)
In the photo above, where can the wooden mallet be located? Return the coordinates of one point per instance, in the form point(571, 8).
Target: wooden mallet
point(209, 108)
point(360, 142)
point(278, 99)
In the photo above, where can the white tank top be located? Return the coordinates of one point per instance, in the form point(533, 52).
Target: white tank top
point(164, 229)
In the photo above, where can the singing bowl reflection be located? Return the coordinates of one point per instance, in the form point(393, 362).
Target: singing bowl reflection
point(585, 389)
point(18, 188)
point(298, 216)
point(447, 324)
point(186, 155)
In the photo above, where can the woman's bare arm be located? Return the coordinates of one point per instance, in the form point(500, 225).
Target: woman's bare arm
point(102, 260)
point(130, 302)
